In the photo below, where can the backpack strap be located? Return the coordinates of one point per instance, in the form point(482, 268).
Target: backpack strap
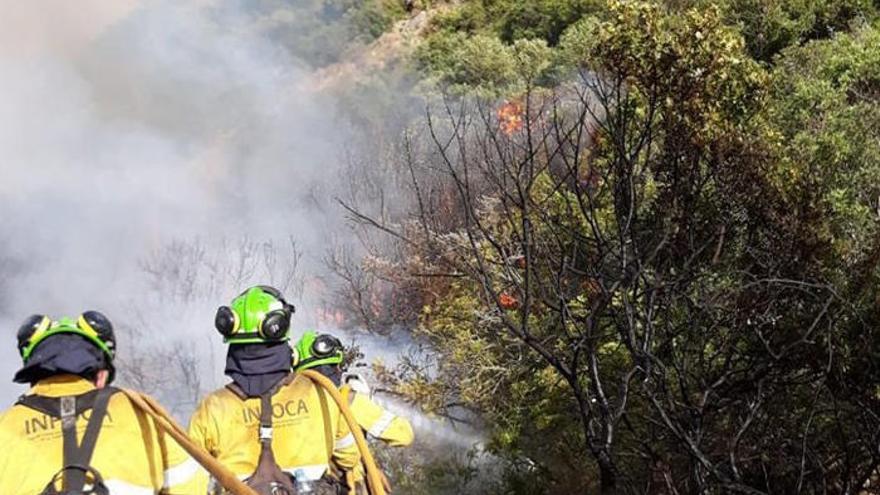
point(266, 408)
point(68, 430)
point(266, 419)
point(51, 406)
point(80, 456)
point(76, 457)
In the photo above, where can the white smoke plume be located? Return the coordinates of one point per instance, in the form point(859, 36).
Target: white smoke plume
point(156, 157)
point(130, 127)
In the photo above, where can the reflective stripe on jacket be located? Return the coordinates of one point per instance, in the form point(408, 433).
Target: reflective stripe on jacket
point(132, 455)
point(377, 421)
point(227, 427)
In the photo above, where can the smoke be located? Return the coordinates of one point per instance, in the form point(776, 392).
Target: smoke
point(131, 126)
point(156, 157)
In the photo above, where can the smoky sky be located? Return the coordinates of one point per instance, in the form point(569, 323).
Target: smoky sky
point(128, 125)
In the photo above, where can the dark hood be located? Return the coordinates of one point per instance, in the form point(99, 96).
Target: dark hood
point(255, 368)
point(331, 371)
point(63, 353)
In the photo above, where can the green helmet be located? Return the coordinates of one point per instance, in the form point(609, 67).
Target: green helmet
point(314, 350)
point(258, 315)
point(92, 325)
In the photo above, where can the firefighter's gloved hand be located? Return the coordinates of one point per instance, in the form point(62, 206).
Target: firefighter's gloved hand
point(358, 384)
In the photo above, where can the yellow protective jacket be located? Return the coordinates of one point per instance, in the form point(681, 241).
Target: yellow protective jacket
point(132, 455)
point(377, 422)
point(309, 433)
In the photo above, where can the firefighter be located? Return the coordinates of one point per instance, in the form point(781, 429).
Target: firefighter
point(72, 430)
point(324, 353)
point(268, 419)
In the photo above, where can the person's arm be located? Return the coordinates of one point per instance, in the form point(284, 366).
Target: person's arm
point(183, 476)
point(345, 452)
point(203, 428)
point(381, 423)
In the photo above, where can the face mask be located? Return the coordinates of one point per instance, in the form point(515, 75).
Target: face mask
point(62, 354)
point(255, 368)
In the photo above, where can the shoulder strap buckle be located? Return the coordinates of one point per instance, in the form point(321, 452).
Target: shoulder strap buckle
point(67, 409)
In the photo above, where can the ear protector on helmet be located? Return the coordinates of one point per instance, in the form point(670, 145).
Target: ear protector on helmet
point(275, 324)
point(30, 331)
point(272, 326)
point(324, 349)
point(94, 321)
point(326, 345)
point(227, 321)
point(92, 325)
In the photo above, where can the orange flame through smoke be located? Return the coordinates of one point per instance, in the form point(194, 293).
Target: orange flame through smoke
point(508, 301)
point(510, 117)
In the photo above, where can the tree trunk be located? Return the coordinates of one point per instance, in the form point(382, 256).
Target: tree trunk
point(607, 475)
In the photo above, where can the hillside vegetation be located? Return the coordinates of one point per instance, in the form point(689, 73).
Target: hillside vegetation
point(640, 241)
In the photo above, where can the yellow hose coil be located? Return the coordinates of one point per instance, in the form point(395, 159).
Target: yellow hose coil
point(374, 475)
point(223, 475)
point(226, 477)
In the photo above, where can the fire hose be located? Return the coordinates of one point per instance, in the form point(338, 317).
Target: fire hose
point(374, 475)
point(164, 420)
point(226, 477)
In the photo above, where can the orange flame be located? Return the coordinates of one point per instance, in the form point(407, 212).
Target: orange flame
point(508, 301)
point(510, 117)
point(330, 317)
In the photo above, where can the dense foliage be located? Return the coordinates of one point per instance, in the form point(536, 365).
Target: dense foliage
point(642, 242)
